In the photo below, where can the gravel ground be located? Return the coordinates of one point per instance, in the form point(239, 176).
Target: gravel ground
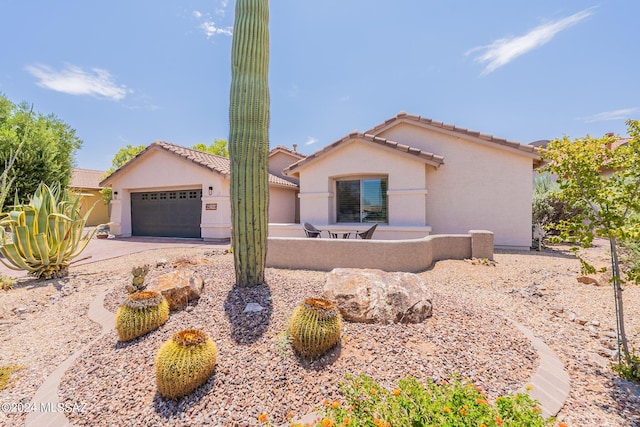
point(257, 371)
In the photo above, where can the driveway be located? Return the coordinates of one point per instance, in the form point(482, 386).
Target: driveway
point(101, 249)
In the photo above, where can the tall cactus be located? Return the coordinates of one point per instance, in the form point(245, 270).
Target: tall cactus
point(249, 139)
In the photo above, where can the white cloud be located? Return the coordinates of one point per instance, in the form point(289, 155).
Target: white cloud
point(74, 80)
point(622, 114)
point(502, 51)
point(197, 14)
point(311, 140)
point(222, 10)
point(210, 29)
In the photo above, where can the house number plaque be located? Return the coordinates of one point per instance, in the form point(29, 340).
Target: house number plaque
point(211, 206)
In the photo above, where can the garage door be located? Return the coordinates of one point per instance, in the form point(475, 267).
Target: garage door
point(166, 213)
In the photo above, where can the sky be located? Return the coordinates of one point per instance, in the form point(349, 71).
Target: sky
point(136, 71)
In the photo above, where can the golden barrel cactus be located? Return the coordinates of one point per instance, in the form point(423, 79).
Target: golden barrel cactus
point(184, 363)
point(315, 327)
point(141, 313)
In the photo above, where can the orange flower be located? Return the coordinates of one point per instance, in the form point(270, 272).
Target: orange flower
point(446, 409)
point(262, 418)
point(562, 424)
point(335, 404)
point(482, 425)
point(529, 387)
point(346, 421)
point(536, 409)
point(325, 402)
point(289, 415)
point(327, 423)
point(499, 421)
point(462, 412)
point(396, 392)
point(374, 391)
point(481, 401)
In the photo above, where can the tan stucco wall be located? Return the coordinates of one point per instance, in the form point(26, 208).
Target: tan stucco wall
point(406, 185)
point(479, 186)
point(280, 160)
point(388, 255)
point(160, 171)
point(92, 198)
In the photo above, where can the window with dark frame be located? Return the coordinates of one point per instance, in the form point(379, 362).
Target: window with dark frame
point(362, 200)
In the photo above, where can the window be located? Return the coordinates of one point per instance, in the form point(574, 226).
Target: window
point(361, 200)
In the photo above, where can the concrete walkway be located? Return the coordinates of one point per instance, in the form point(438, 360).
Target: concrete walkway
point(550, 382)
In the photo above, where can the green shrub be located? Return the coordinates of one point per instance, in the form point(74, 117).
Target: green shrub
point(6, 283)
point(448, 403)
point(629, 370)
point(5, 375)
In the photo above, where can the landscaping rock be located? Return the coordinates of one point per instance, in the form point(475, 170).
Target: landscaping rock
point(178, 287)
point(587, 280)
point(375, 296)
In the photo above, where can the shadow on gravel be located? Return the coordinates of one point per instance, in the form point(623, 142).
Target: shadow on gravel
point(247, 327)
point(322, 362)
point(171, 408)
point(627, 396)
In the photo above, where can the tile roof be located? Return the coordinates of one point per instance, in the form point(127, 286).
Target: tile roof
point(286, 150)
point(427, 157)
point(210, 161)
point(86, 178)
point(410, 118)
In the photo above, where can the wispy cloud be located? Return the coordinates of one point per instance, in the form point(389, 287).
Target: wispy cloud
point(621, 114)
point(502, 51)
point(209, 27)
point(222, 10)
point(311, 140)
point(75, 80)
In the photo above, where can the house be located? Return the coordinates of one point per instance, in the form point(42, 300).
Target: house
point(173, 191)
point(416, 176)
point(86, 184)
point(412, 176)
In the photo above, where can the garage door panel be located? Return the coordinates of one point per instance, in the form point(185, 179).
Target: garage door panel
point(166, 213)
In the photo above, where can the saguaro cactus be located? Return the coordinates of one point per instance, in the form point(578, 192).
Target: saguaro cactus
point(249, 139)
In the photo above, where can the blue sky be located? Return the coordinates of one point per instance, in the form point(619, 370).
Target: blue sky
point(136, 71)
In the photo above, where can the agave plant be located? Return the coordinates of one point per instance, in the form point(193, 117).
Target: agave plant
point(44, 235)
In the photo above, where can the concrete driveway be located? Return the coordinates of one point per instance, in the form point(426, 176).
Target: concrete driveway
point(101, 249)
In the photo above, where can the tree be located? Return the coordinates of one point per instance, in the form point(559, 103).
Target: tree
point(219, 148)
point(124, 155)
point(44, 148)
point(249, 139)
point(601, 180)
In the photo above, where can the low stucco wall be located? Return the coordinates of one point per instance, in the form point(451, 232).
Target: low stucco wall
point(389, 255)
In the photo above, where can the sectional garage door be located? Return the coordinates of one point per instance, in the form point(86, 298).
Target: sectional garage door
point(166, 213)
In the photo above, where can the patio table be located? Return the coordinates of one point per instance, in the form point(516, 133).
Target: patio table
point(334, 232)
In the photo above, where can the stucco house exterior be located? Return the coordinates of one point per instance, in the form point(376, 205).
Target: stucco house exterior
point(412, 176)
point(86, 184)
point(173, 191)
point(416, 176)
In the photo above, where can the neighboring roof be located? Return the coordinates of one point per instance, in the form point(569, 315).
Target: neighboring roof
point(424, 156)
point(86, 178)
point(210, 161)
point(617, 143)
point(283, 149)
point(403, 117)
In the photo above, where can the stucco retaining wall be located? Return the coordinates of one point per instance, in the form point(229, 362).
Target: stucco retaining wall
point(388, 255)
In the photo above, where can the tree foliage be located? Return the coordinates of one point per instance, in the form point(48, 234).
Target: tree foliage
point(123, 155)
point(44, 148)
point(219, 148)
point(601, 179)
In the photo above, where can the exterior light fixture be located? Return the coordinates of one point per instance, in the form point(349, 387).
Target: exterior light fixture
point(210, 190)
point(115, 195)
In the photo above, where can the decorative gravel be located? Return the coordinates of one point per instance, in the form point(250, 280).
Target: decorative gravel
point(257, 371)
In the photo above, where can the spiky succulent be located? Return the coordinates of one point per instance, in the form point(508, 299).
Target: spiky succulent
point(184, 362)
point(315, 327)
point(141, 313)
point(137, 281)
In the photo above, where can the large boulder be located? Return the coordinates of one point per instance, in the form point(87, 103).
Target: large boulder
point(178, 287)
point(375, 296)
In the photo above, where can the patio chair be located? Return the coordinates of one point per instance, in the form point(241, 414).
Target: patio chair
point(310, 230)
point(369, 233)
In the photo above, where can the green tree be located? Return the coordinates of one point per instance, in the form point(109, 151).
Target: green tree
point(219, 148)
point(44, 148)
point(121, 157)
point(249, 139)
point(602, 181)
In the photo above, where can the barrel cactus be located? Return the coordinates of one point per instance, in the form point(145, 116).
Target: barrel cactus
point(315, 327)
point(141, 313)
point(184, 363)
